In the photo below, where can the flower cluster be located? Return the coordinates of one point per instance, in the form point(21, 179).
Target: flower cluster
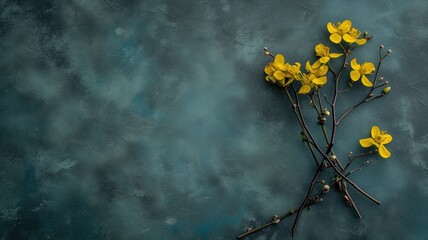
point(344, 30)
point(301, 85)
point(283, 73)
point(280, 72)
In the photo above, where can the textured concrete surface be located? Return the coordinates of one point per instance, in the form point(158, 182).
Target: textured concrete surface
point(152, 120)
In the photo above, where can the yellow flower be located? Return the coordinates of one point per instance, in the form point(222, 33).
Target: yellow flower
point(277, 71)
point(316, 69)
point(294, 70)
point(313, 79)
point(310, 81)
point(352, 37)
point(337, 32)
point(323, 52)
point(379, 139)
point(360, 71)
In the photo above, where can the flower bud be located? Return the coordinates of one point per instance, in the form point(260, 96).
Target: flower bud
point(333, 157)
point(326, 188)
point(249, 229)
point(381, 46)
point(389, 51)
point(386, 90)
point(346, 198)
point(326, 112)
point(267, 52)
point(276, 219)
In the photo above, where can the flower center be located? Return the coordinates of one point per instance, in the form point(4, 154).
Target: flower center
point(378, 139)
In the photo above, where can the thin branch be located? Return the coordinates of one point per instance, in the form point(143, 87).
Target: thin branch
point(352, 158)
point(325, 98)
point(294, 107)
point(308, 195)
point(351, 201)
point(346, 90)
point(369, 95)
point(365, 100)
point(341, 178)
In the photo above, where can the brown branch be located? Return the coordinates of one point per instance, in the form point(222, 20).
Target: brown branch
point(341, 177)
point(369, 95)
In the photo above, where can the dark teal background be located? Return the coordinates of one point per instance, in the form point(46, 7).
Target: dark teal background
point(152, 120)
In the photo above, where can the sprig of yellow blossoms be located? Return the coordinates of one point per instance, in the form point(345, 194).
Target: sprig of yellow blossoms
point(283, 73)
point(379, 139)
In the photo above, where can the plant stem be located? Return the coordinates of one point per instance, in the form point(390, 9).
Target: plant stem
point(312, 144)
point(369, 95)
point(351, 159)
point(296, 106)
point(366, 99)
point(308, 195)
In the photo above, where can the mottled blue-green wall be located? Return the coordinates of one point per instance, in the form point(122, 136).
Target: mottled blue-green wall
point(152, 120)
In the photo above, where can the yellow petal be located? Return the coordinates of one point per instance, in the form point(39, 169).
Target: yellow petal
point(355, 65)
point(386, 138)
point(348, 38)
point(319, 50)
point(366, 142)
point(335, 55)
point(355, 75)
point(361, 41)
point(279, 59)
point(366, 82)
point(304, 89)
point(317, 64)
point(324, 59)
point(322, 70)
point(320, 81)
point(279, 75)
point(336, 38)
point(383, 151)
point(282, 67)
point(331, 28)
point(375, 132)
point(346, 24)
point(367, 68)
point(294, 69)
point(308, 66)
point(269, 69)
